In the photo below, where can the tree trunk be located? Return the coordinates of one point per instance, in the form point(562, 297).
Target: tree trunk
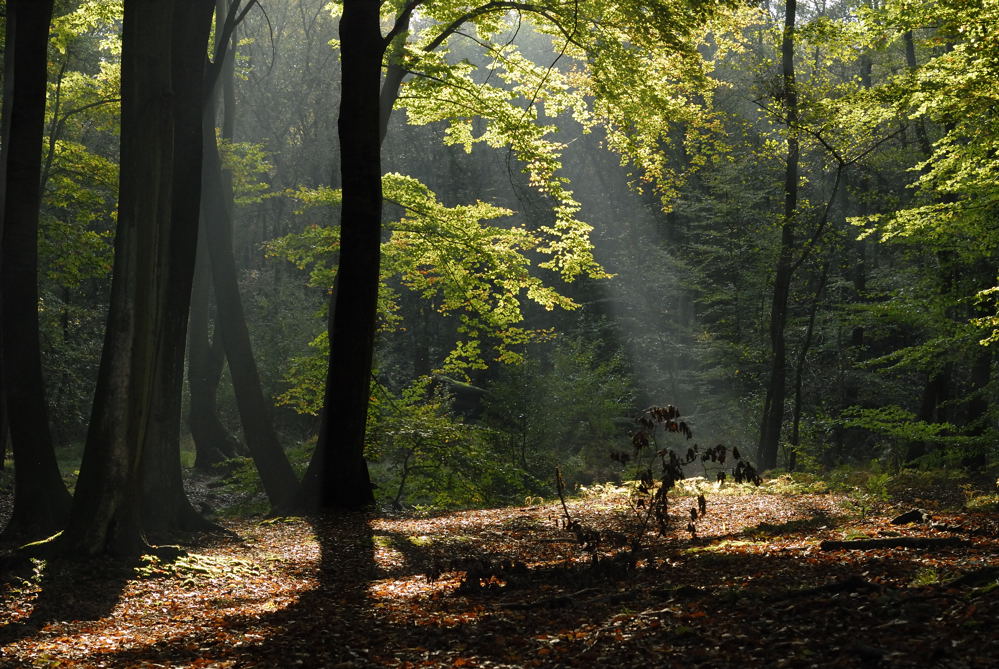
point(338, 474)
point(165, 505)
point(276, 474)
point(7, 103)
point(910, 62)
point(212, 442)
point(799, 371)
point(773, 407)
point(206, 357)
point(975, 458)
point(3, 423)
point(41, 501)
point(152, 265)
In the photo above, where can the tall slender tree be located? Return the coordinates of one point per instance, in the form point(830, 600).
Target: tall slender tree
point(206, 353)
point(776, 392)
point(41, 500)
point(276, 473)
point(338, 473)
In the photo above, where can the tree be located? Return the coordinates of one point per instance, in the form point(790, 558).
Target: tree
point(337, 475)
point(773, 405)
point(41, 498)
point(154, 261)
point(277, 476)
point(165, 507)
point(953, 211)
point(206, 355)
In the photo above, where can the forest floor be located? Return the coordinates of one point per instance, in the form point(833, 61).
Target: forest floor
point(510, 588)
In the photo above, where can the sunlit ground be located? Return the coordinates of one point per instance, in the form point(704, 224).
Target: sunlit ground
point(395, 592)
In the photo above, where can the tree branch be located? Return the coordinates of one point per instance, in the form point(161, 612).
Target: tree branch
point(496, 6)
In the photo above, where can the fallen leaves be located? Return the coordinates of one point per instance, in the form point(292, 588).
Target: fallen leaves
point(353, 591)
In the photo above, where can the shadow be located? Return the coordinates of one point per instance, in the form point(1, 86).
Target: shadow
point(816, 519)
point(78, 590)
point(320, 629)
point(700, 609)
point(68, 590)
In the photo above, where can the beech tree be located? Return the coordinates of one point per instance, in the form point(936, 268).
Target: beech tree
point(279, 480)
point(776, 391)
point(137, 397)
point(41, 499)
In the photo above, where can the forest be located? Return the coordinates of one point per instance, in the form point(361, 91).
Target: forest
point(499, 333)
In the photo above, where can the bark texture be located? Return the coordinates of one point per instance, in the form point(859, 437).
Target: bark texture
point(135, 402)
point(165, 506)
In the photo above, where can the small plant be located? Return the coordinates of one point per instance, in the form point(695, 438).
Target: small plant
point(651, 500)
point(926, 576)
point(660, 469)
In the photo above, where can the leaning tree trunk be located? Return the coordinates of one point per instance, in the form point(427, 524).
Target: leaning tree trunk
point(41, 501)
point(206, 356)
point(166, 508)
point(106, 514)
point(276, 474)
point(799, 369)
point(773, 407)
point(338, 474)
point(213, 443)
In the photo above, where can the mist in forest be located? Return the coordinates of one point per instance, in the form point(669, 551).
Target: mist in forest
point(501, 351)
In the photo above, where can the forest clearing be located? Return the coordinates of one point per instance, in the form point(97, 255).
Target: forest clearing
point(509, 587)
point(350, 333)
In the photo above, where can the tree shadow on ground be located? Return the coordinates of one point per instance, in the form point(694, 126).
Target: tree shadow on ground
point(68, 590)
point(315, 631)
point(72, 590)
point(694, 609)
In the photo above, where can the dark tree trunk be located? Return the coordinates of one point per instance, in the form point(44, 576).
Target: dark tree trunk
point(3, 423)
point(276, 474)
point(154, 256)
point(934, 407)
point(206, 358)
point(106, 506)
point(978, 407)
point(41, 501)
point(206, 355)
point(976, 414)
point(8, 98)
point(799, 370)
point(910, 62)
point(338, 474)
point(773, 407)
point(165, 505)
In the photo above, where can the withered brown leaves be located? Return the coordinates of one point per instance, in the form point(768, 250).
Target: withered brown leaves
point(509, 588)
